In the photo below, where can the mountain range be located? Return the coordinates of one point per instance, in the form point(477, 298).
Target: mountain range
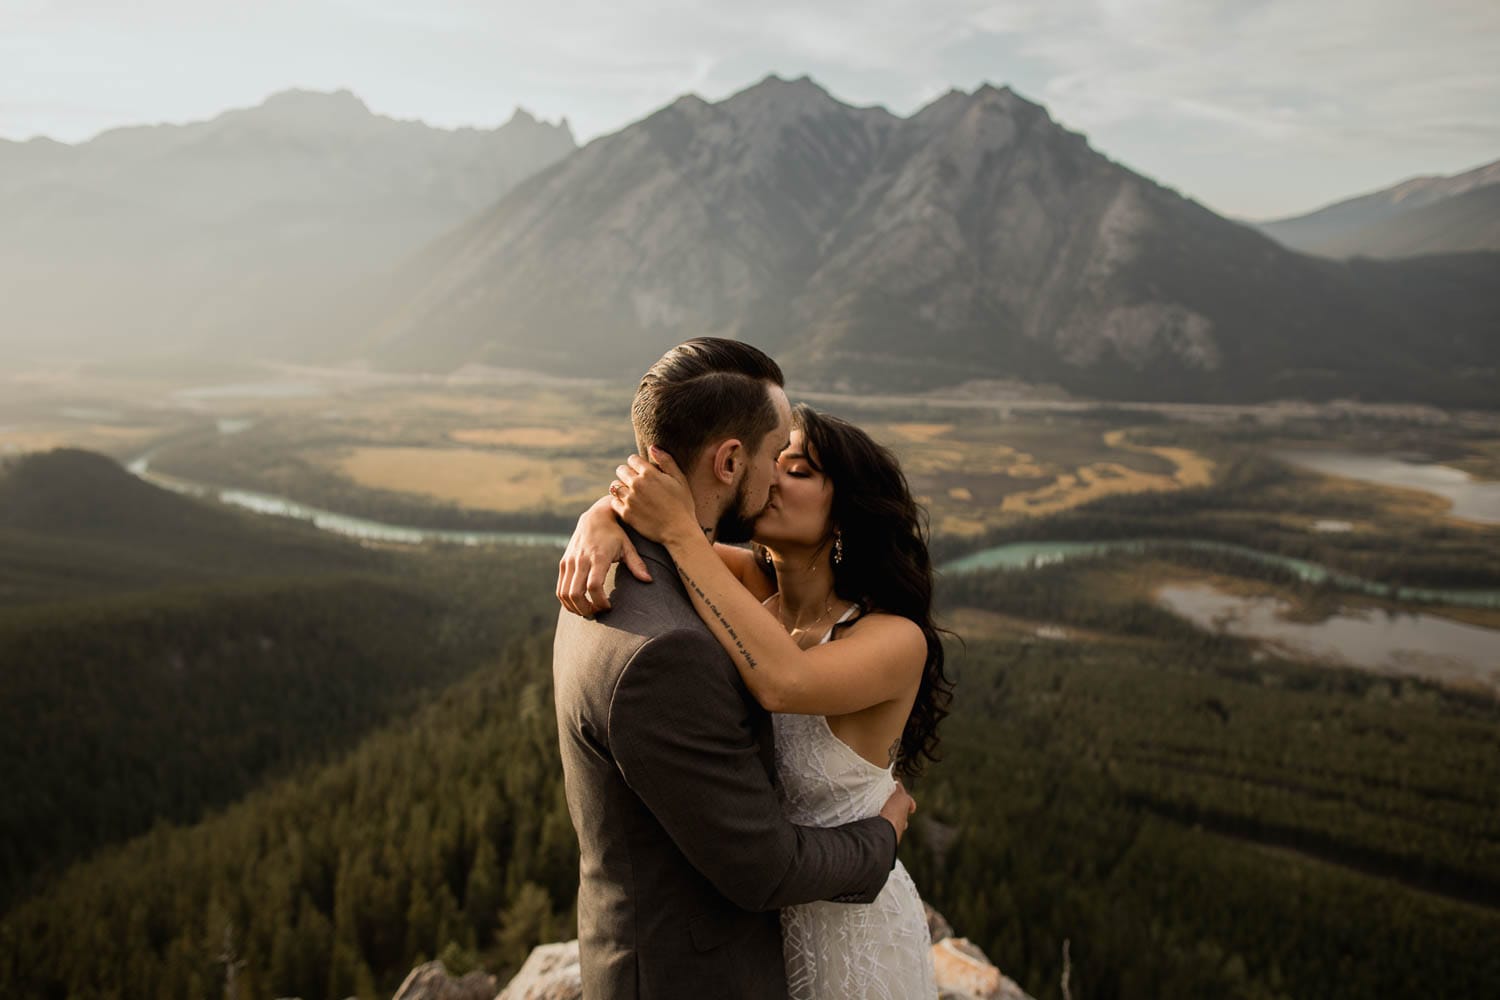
point(1424, 215)
point(235, 233)
point(976, 238)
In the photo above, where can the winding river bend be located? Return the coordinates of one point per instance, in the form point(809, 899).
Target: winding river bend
point(1025, 555)
point(1015, 556)
point(340, 524)
point(1401, 644)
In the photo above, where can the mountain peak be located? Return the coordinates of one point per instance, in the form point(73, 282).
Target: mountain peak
point(804, 81)
point(989, 95)
point(780, 97)
point(304, 102)
point(778, 86)
point(523, 123)
point(956, 102)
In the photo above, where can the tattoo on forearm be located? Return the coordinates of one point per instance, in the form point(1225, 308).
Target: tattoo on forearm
point(717, 614)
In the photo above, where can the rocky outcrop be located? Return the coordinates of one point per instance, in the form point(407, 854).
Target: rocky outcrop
point(964, 972)
point(552, 973)
point(431, 981)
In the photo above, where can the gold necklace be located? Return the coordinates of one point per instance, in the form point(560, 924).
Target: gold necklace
point(791, 629)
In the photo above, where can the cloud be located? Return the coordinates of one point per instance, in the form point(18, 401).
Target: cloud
point(1206, 94)
point(1321, 73)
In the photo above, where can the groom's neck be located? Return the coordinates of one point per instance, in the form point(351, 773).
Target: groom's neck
point(708, 522)
point(708, 505)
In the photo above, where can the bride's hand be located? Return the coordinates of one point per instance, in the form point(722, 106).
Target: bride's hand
point(654, 499)
point(598, 543)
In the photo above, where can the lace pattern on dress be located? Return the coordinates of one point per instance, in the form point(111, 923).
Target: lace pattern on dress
point(881, 950)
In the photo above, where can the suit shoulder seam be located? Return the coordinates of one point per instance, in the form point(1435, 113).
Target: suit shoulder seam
point(680, 631)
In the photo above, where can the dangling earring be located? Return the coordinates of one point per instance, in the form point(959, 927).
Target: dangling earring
point(838, 545)
point(765, 554)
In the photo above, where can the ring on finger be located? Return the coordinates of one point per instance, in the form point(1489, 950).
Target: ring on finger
point(614, 489)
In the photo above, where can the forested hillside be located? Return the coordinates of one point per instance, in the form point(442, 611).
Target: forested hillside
point(1199, 825)
point(1194, 818)
point(161, 656)
point(166, 705)
point(75, 525)
point(431, 837)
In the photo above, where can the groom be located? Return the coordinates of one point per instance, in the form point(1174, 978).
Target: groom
point(685, 854)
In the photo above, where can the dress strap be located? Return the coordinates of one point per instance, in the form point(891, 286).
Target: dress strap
point(827, 636)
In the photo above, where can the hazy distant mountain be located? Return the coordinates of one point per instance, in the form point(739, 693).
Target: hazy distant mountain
point(235, 232)
point(974, 239)
point(1420, 216)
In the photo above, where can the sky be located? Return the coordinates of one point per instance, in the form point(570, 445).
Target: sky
point(1256, 108)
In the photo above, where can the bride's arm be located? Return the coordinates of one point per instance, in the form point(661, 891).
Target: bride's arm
point(877, 661)
point(599, 542)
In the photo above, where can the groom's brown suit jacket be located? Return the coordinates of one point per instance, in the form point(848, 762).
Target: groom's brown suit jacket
point(685, 854)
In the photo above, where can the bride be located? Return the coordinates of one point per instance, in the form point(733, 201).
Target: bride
point(834, 636)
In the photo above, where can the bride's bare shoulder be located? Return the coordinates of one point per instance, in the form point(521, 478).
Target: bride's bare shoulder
point(904, 637)
point(742, 564)
point(875, 619)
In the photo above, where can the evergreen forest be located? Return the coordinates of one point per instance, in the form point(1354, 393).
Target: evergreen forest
point(281, 782)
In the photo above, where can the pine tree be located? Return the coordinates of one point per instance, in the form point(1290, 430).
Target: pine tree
point(482, 894)
point(525, 923)
point(421, 923)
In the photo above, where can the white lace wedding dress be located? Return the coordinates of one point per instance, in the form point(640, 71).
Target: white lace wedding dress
point(843, 951)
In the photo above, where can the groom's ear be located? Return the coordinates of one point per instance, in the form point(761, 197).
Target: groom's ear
point(727, 458)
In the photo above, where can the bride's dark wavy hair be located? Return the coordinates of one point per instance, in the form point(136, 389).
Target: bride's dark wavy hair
point(885, 566)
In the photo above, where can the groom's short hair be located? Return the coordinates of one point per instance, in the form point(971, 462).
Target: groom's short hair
point(704, 390)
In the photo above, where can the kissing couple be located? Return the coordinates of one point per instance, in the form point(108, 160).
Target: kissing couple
point(734, 722)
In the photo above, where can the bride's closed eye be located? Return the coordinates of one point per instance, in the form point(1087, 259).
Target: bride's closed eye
point(794, 465)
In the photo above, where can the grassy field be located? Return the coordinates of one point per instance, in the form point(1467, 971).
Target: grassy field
point(474, 478)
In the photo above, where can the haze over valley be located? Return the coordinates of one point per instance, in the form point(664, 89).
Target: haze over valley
point(238, 236)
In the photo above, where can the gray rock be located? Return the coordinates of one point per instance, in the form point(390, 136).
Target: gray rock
point(964, 972)
point(431, 981)
point(551, 972)
point(937, 924)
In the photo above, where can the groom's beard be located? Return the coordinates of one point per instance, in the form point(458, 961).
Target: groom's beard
point(737, 525)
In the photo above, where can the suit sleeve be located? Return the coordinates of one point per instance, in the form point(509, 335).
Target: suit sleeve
point(682, 739)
